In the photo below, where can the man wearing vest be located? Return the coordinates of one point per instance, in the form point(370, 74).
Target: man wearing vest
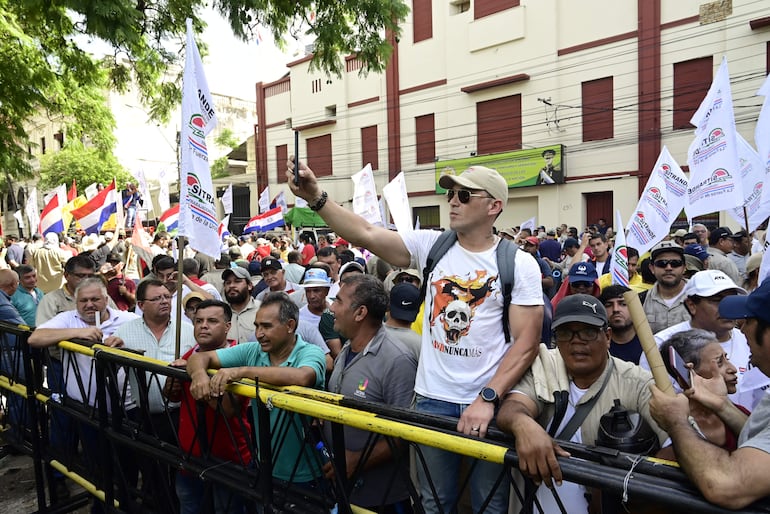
point(566, 392)
point(465, 362)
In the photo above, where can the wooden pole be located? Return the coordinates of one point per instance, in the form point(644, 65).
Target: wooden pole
point(650, 347)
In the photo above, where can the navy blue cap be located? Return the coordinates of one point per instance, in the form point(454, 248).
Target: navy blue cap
point(582, 272)
point(696, 251)
point(404, 301)
point(751, 306)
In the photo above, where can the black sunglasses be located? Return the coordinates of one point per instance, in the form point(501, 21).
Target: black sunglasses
point(674, 263)
point(463, 195)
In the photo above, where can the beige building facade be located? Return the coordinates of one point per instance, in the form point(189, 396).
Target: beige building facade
point(610, 83)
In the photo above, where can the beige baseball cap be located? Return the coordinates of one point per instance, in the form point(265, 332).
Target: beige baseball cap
point(478, 177)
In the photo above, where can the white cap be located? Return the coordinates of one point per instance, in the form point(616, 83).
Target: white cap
point(710, 282)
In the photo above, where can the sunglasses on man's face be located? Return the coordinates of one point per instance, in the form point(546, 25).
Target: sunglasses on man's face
point(674, 263)
point(463, 195)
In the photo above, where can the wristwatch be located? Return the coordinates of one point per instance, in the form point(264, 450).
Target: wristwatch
point(490, 395)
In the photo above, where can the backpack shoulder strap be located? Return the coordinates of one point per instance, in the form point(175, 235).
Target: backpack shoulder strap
point(442, 245)
point(506, 266)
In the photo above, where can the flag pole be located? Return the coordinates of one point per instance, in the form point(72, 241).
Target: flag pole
point(746, 221)
point(179, 283)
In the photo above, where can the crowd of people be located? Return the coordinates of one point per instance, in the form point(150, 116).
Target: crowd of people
point(373, 314)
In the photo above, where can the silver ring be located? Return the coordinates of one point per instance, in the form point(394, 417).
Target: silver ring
point(474, 429)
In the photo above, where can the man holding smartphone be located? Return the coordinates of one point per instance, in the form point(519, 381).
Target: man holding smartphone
point(730, 479)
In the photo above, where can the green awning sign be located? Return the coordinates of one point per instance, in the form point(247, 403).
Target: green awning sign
point(522, 168)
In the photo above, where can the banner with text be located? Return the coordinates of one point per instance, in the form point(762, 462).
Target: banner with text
point(521, 168)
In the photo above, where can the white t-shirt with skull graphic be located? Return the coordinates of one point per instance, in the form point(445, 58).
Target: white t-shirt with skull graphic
point(463, 341)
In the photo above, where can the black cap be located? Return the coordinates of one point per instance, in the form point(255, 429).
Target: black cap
point(271, 263)
point(722, 232)
point(582, 308)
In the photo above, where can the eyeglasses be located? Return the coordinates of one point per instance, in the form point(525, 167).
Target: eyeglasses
point(674, 263)
point(161, 298)
point(563, 335)
point(463, 195)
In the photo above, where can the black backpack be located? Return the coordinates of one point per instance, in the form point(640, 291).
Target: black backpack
point(506, 258)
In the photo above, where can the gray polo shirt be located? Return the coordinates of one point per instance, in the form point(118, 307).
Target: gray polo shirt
point(382, 372)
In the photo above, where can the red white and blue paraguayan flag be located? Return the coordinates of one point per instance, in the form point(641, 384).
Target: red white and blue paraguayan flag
point(198, 214)
point(95, 213)
point(170, 218)
point(223, 230)
point(51, 218)
point(264, 222)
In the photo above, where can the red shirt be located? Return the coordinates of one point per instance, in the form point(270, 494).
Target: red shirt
point(113, 289)
point(227, 439)
point(308, 252)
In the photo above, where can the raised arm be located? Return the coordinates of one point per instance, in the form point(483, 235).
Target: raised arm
point(731, 480)
point(712, 393)
point(384, 243)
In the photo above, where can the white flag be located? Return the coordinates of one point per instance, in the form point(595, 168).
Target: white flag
point(19, 219)
point(762, 140)
point(280, 201)
point(752, 182)
point(144, 190)
point(30, 209)
point(365, 195)
point(662, 201)
point(398, 203)
point(715, 182)
point(300, 202)
point(264, 200)
point(530, 224)
point(120, 217)
point(227, 200)
point(92, 190)
point(383, 212)
point(764, 266)
point(619, 262)
point(164, 198)
point(197, 214)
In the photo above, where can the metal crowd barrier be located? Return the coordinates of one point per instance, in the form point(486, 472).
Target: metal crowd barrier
point(106, 428)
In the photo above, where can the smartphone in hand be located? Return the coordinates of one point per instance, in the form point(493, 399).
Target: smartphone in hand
point(679, 366)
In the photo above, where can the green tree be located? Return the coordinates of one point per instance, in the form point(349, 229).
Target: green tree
point(44, 70)
point(83, 164)
point(225, 139)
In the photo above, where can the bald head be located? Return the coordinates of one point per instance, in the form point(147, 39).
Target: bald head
point(9, 281)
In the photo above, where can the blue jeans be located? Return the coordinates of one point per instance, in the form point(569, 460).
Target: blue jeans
point(191, 492)
point(444, 470)
point(130, 217)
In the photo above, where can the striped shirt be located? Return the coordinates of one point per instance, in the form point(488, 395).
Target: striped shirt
point(136, 335)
